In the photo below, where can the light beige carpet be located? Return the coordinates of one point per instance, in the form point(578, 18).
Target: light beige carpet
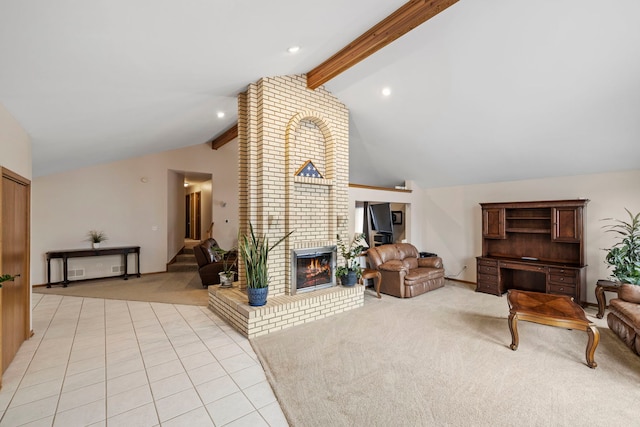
point(443, 358)
point(173, 288)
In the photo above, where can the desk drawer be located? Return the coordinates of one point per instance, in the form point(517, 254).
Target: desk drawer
point(489, 288)
point(524, 267)
point(562, 289)
point(488, 262)
point(487, 278)
point(486, 269)
point(562, 280)
point(562, 271)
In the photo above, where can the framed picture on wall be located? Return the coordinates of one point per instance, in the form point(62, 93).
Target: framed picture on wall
point(397, 217)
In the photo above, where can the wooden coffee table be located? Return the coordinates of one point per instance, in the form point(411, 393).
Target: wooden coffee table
point(552, 310)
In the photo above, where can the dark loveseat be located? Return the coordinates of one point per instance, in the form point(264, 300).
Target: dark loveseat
point(211, 261)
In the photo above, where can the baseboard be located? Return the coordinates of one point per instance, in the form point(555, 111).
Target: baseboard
point(461, 281)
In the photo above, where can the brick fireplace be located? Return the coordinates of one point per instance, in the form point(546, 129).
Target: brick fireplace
point(294, 173)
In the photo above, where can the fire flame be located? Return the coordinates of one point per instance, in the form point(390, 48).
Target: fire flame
point(316, 267)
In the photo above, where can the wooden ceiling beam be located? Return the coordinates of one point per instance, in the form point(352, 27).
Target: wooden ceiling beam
point(225, 137)
point(400, 22)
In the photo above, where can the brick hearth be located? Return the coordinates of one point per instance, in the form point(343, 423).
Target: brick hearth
point(282, 311)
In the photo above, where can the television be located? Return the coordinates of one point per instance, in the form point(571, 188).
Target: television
point(381, 217)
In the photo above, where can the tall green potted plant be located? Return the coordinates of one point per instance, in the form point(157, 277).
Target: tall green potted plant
point(624, 255)
point(255, 250)
point(350, 272)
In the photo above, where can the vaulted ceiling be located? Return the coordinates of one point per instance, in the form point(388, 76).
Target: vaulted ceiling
point(486, 91)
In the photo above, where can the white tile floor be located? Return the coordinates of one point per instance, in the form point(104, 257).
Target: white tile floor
point(95, 362)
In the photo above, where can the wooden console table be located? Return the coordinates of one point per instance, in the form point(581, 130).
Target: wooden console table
point(80, 253)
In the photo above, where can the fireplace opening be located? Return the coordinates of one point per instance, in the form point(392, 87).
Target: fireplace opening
point(313, 268)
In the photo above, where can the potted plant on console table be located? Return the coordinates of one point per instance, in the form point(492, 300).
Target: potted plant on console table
point(351, 271)
point(624, 256)
point(254, 251)
point(95, 237)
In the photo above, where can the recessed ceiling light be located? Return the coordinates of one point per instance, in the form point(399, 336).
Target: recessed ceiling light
point(386, 91)
point(220, 114)
point(293, 49)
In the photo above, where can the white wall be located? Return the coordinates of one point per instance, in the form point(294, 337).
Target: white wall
point(452, 216)
point(113, 198)
point(207, 204)
point(225, 199)
point(15, 145)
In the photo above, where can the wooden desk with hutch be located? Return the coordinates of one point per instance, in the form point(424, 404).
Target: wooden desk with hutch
point(533, 246)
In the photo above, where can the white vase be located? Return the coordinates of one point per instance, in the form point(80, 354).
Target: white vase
point(95, 245)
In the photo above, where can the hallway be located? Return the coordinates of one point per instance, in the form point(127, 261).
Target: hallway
point(112, 363)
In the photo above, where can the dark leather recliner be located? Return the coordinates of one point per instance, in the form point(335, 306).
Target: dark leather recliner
point(210, 262)
point(404, 273)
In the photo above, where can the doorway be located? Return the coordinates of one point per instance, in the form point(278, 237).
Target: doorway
point(381, 222)
point(14, 260)
point(193, 216)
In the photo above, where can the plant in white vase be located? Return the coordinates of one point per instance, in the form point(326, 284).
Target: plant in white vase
point(229, 260)
point(95, 237)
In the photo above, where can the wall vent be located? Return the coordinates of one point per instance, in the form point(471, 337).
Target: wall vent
point(75, 272)
point(117, 269)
